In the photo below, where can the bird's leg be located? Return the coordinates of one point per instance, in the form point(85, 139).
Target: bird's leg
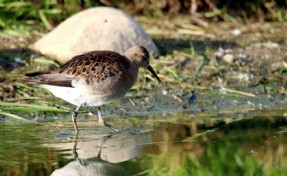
point(75, 154)
point(74, 118)
point(102, 122)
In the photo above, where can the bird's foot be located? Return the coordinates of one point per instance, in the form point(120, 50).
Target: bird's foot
point(103, 123)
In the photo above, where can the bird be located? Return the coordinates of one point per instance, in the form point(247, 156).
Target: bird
point(94, 78)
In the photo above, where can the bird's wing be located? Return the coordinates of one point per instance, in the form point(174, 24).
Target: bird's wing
point(50, 79)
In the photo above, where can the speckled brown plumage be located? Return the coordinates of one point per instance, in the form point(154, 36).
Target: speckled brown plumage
point(96, 66)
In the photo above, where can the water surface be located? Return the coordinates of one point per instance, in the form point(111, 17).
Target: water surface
point(162, 144)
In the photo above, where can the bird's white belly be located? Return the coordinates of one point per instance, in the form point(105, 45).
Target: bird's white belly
point(76, 96)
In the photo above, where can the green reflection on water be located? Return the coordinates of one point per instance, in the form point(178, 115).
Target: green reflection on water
point(21, 152)
point(254, 145)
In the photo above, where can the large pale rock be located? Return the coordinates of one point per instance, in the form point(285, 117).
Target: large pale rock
point(100, 28)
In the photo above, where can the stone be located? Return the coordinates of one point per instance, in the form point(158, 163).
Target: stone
point(229, 58)
point(100, 28)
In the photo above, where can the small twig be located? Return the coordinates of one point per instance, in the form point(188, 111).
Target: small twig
point(7, 114)
point(210, 5)
point(193, 7)
point(191, 32)
point(204, 62)
point(132, 102)
point(20, 99)
point(199, 21)
point(238, 92)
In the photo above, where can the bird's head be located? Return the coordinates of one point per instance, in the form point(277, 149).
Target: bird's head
point(140, 55)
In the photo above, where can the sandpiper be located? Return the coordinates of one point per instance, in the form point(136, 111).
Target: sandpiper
point(94, 78)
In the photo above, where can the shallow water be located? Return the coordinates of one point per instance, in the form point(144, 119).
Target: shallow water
point(162, 144)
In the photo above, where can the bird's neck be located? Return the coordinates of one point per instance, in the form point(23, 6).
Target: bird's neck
point(133, 72)
point(134, 66)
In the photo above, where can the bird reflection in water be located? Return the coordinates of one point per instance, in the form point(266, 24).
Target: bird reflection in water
point(110, 151)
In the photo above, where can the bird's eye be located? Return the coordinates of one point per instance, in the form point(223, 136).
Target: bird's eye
point(144, 58)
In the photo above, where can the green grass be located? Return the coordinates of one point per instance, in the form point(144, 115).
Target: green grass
point(46, 14)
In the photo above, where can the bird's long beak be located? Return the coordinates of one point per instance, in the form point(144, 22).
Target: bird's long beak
point(153, 72)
